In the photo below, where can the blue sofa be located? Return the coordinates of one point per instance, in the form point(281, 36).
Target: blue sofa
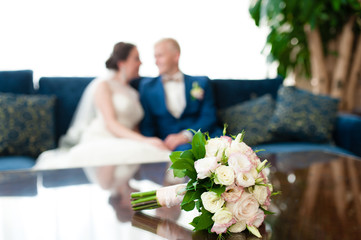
point(227, 92)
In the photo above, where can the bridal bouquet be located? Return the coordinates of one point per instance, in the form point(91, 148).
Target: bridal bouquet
point(228, 186)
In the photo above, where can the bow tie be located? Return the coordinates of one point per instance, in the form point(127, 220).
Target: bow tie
point(172, 78)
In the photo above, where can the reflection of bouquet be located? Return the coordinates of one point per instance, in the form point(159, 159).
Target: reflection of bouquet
point(228, 185)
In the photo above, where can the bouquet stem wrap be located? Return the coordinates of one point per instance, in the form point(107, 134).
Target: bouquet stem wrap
point(164, 197)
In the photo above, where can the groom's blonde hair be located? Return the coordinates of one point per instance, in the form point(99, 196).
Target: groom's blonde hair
point(172, 43)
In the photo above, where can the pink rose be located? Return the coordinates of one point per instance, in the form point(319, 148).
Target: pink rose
point(222, 228)
point(228, 139)
point(257, 219)
point(223, 218)
point(232, 193)
point(205, 166)
point(241, 147)
point(245, 208)
point(268, 199)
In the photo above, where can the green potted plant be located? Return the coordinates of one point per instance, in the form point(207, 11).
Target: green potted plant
point(315, 39)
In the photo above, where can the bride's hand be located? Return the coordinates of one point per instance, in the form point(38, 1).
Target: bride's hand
point(156, 142)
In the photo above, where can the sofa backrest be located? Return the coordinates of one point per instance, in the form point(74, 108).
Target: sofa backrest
point(68, 91)
point(228, 92)
point(18, 82)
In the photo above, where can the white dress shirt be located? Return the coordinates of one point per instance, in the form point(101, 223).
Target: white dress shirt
point(174, 89)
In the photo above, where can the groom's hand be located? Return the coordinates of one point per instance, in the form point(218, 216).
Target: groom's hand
point(174, 140)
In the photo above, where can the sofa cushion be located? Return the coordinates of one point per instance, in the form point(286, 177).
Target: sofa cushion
point(16, 81)
point(27, 124)
point(302, 116)
point(229, 92)
point(68, 91)
point(16, 162)
point(252, 116)
point(348, 132)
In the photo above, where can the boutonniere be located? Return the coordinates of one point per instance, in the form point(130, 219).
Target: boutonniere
point(197, 92)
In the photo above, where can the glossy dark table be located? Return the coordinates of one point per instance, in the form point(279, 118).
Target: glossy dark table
point(321, 199)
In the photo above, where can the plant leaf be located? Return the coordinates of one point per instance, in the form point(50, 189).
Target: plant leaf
point(188, 206)
point(175, 156)
point(195, 221)
point(198, 145)
point(188, 154)
point(219, 190)
point(205, 221)
point(254, 231)
point(266, 211)
point(180, 173)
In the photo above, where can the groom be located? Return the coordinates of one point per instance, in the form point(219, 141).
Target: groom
point(175, 102)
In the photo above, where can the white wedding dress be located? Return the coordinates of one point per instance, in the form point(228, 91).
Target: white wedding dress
point(97, 146)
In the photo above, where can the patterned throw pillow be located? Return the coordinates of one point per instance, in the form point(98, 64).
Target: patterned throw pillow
point(251, 116)
point(301, 115)
point(27, 124)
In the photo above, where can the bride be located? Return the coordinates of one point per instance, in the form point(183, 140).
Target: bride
point(111, 135)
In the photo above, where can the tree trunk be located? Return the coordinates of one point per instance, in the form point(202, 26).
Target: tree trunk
point(320, 79)
point(339, 79)
point(355, 76)
point(331, 60)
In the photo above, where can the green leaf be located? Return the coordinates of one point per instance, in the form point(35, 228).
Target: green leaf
point(180, 173)
point(191, 184)
point(254, 231)
point(198, 205)
point(255, 12)
point(242, 136)
point(188, 154)
point(266, 211)
point(185, 164)
point(188, 207)
point(191, 130)
point(190, 196)
point(174, 156)
point(276, 193)
point(191, 174)
point(259, 150)
point(195, 221)
point(219, 190)
point(198, 145)
point(205, 221)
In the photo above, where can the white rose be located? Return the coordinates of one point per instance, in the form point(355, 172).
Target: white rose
point(239, 147)
point(260, 193)
point(238, 227)
point(211, 201)
point(222, 216)
point(239, 162)
point(247, 179)
point(205, 166)
point(216, 146)
point(232, 193)
point(224, 175)
point(245, 208)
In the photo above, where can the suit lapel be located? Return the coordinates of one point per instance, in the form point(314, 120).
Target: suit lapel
point(187, 89)
point(161, 93)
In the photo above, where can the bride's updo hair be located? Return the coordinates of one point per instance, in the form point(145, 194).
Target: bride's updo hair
point(120, 52)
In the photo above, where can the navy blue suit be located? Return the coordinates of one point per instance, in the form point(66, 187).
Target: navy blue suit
point(198, 114)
